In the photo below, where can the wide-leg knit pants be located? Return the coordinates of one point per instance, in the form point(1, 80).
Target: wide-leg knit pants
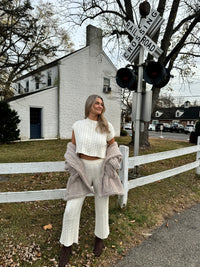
point(71, 217)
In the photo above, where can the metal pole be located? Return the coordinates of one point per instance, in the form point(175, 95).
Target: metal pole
point(138, 103)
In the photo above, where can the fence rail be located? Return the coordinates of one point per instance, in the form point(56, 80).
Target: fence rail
point(24, 196)
point(127, 163)
point(31, 167)
point(132, 162)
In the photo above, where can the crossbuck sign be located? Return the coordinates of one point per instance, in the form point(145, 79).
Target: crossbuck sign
point(149, 26)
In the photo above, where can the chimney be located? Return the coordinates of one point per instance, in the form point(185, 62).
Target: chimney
point(94, 40)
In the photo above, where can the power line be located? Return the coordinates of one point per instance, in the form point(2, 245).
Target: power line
point(186, 96)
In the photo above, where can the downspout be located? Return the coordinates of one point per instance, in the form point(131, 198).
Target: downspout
point(58, 101)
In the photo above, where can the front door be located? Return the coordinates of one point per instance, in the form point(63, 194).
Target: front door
point(35, 123)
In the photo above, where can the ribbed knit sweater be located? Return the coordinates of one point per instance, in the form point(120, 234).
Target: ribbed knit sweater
point(89, 140)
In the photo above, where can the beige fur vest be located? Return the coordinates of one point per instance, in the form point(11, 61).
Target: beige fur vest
point(77, 185)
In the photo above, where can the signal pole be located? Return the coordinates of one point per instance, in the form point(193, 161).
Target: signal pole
point(137, 124)
point(144, 9)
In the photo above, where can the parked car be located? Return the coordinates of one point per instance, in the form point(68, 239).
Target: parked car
point(165, 127)
point(189, 128)
point(177, 127)
point(128, 126)
point(152, 127)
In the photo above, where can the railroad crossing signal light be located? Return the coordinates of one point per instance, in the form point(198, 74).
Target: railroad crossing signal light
point(126, 78)
point(156, 74)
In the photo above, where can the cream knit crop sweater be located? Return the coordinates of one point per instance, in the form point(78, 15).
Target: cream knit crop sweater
point(90, 141)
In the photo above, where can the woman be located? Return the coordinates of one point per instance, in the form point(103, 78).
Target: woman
point(92, 159)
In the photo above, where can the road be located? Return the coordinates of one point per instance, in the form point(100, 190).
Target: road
point(175, 244)
point(167, 135)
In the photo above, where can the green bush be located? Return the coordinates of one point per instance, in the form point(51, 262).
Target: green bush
point(197, 128)
point(123, 132)
point(9, 121)
point(193, 137)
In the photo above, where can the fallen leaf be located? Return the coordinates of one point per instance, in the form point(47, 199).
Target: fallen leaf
point(132, 221)
point(38, 254)
point(146, 234)
point(47, 227)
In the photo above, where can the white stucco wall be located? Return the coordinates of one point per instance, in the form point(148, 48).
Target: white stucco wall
point(47, 101)
point(80, 76)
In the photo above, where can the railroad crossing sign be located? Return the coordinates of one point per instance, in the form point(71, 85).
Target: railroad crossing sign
point(149, 26)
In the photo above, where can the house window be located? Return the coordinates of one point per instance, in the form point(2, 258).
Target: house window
point(106, 85)
point(49, 78)
point(157, 114)
point(37, 83)
point(19, 88)
point(27, 87)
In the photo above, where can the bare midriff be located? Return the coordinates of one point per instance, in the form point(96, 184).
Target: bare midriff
point(83, 156)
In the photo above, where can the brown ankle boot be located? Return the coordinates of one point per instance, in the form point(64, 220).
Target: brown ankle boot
point(64, 258)
point(98, 246)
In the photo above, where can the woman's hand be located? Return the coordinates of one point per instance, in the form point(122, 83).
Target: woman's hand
point(73, 138)
point(111, 141)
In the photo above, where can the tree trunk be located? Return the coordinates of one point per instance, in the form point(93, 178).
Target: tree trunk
point(144, 136)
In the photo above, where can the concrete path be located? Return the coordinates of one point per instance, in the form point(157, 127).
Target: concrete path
point(177, 245)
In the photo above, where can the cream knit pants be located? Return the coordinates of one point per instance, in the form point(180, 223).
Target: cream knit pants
point(71, 217)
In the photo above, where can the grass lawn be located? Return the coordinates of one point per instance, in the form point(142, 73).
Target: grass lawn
point(25, 242)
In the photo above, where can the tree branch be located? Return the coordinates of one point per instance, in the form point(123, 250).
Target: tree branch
point(100, 13)
point(183, 21)
point(173, 54)
point(169, 29)
point(190, 54)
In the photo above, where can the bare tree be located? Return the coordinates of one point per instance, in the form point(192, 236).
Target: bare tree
point(165, 101)
point(27, 36)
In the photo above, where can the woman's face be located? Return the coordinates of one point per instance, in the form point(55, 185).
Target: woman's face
point(97, 107)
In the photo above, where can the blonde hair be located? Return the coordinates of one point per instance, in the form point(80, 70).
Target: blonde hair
point(102, 122)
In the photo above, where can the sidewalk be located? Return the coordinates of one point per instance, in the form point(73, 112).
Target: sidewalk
point(177, 245)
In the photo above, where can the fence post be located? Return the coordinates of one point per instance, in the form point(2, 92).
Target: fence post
point(123, 174)
point(198, 155)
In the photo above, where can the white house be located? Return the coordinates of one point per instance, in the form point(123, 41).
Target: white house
point(50, 99)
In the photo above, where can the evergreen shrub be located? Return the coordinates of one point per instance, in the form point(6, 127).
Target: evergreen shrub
point(9, 121)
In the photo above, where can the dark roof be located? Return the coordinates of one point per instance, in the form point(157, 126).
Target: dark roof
point(191, 113)
point(168, 113)
point(46, 66)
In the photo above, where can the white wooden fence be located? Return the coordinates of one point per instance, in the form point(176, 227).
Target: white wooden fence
point(132, 162)
point(127, 163)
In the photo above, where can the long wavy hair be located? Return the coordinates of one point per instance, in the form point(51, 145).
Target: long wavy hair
point(102, 123)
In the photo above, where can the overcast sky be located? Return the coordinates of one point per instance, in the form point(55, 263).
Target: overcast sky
point(185, 91)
